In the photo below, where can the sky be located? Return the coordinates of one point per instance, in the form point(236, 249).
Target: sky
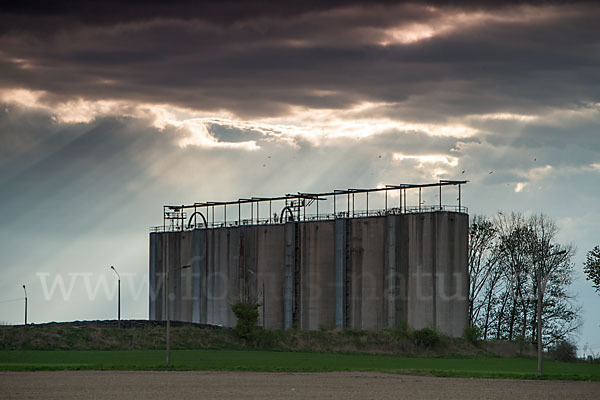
point(109, 111)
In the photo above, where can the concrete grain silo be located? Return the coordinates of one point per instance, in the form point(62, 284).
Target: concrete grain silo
point(336, 267)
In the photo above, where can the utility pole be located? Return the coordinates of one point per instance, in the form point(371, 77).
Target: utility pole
point(25, 290)
point(118, 297)
point(168, 305)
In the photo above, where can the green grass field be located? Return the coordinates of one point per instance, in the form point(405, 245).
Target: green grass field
point(31, 360)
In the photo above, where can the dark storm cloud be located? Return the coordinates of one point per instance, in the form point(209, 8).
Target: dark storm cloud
point(41, 16)
point(259, 59)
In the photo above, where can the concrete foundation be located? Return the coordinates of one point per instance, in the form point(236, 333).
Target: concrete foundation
point(359, 273)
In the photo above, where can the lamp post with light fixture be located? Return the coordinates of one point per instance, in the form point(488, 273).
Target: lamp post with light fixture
point(25, 290)
point(118, 297)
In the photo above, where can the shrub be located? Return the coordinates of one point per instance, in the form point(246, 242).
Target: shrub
point(426, 337)
point(402, 329)
point(472, 334)
point(564, 351)
point(247, 317)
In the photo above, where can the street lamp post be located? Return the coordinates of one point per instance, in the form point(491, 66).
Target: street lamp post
point(25, 290)
point(168, 305)
point(118, 297)
point(540, 298)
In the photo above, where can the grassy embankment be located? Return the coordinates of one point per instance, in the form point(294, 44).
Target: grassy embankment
point(69, 336)
point(100, 348)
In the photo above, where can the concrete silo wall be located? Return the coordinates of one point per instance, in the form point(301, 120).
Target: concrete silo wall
point(317, 272)
point(437, 289)
point(360, 273)
point(367, 273)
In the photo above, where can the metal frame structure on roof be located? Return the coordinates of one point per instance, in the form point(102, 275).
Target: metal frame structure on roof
point(296, 203)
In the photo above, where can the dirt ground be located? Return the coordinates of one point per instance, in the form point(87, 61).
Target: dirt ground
point(256, 385)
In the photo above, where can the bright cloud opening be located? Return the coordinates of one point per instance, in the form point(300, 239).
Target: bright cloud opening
point(315, 125)
point(430, 159)
point(504, 117)
point(443, 22)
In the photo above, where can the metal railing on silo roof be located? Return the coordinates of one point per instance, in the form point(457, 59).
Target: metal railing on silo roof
point(175, 218)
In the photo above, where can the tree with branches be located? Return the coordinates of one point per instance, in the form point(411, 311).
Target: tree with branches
point(591, 267)
point(482, 262)
point(518, 271)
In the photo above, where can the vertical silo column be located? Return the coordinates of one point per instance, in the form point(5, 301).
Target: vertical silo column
point(391, 270)
point(199, 268)
point(288, 280)
point(152, 273)
point(340, 268)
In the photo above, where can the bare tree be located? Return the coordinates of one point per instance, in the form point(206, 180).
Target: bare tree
point(506, 254)
point(551, 264)
point(514, 238)
point(482, 261)
point(492, 290)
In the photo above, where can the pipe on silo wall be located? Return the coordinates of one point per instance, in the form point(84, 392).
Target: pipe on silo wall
point(152, 277)
point(391, 281)
point(340, 269)
point(289, 268)
point(184, 276)
point(199, 264)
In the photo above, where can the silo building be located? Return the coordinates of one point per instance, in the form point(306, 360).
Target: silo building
point(351, 259)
